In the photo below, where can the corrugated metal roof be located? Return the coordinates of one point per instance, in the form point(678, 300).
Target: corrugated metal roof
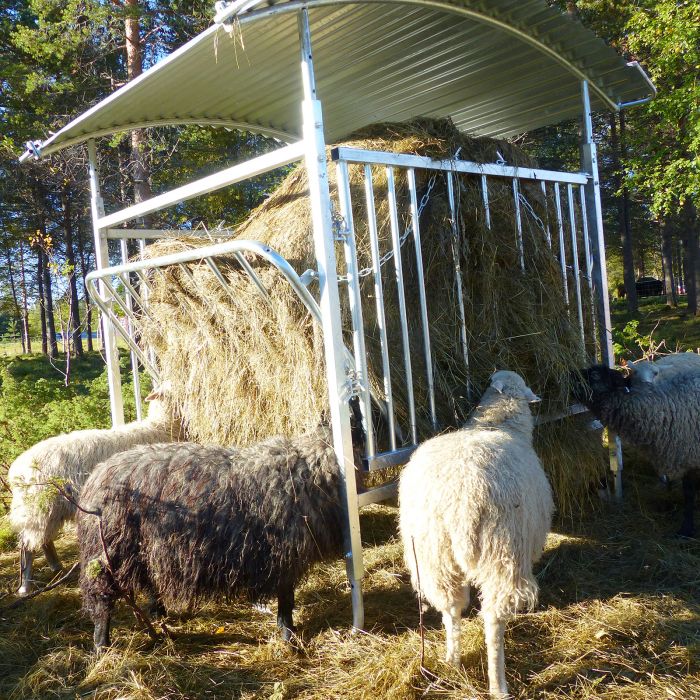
point(497, 68)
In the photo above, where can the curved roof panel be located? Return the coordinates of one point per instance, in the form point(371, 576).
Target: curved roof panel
point(496, 68)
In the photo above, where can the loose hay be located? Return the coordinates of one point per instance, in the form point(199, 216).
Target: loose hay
point(243, 369)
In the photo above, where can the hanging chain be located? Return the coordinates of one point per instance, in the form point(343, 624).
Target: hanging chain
point(390, 254)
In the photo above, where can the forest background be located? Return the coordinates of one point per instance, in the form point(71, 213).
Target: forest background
point(57, 58)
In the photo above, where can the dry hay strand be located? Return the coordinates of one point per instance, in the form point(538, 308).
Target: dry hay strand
point(243, 369)
point(618, 619)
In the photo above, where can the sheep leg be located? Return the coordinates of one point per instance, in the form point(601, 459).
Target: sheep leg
point(101, 613)
point(494, 631)
point(51, 556)
point(26, 558)
point(690, 484)
point(451, 620)
point(285, 608)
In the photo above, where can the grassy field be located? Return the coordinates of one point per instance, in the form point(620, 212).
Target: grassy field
point(658, 322)
point(618, 618)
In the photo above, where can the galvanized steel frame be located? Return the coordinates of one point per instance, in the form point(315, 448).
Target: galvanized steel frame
point(347, 373)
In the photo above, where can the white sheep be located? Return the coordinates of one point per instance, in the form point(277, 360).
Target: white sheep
point(475, 508)
point(39, 510)
point(646, 372)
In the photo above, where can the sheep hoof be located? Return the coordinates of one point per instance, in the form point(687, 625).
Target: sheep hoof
point(287, 633)
point(24, 590)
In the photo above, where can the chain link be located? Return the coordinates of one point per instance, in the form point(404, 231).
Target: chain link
point(390, 254)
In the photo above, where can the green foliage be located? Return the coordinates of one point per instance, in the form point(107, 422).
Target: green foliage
point(93, 569)
point(8, 538)
point(35, 403)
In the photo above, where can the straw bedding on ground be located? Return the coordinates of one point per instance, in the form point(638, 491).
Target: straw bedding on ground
point(618, 619)
point(243, 368)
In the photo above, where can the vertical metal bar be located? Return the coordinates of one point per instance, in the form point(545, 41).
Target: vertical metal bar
point(518, 223)
point(562, 248)
point(547, 230)
point(574, 254)
point(398, 269)
point(415, 225)
point(589, 268)
point(135, 379)
point(355, 301)
point(336, 368)
point(458, 277)
point(102, 261)
point(594, 212)
point(485, 197)
point(379, 302)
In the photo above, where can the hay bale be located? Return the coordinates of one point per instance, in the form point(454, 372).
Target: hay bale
point(243, 369)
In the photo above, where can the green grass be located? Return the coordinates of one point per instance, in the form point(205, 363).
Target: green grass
point(657, 322)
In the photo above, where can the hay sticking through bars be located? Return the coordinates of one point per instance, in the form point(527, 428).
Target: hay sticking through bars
point(243, 369)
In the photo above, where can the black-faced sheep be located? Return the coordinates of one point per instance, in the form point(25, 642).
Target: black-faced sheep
point(475, 508)
point(187, 522)
point(39, 510)
point(662, 418)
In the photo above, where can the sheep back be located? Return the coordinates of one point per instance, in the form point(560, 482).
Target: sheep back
point(662, 418)
point(38, 509)
point(191, 522)
point(477, 507)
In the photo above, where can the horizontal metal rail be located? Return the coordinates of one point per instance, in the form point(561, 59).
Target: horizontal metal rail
point(403, 160)
point(229, 176)
point(116, 234)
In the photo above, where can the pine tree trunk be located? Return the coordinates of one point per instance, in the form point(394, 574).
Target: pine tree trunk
point(134, 67)
point(667, 259)
point(27, 344)
point(88, 304)
point(50, 316)
point(42, 300)
point(13, 290)
point(692, 256)
point(623, 216)
point(74, 317)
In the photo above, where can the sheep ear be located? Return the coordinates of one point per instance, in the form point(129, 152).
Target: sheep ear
point(160, 391)
point(531, 396)
point(497, 384)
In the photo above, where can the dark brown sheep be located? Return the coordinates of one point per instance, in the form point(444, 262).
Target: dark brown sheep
point(186, 522)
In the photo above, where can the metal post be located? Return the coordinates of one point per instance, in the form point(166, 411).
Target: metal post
point(576, 270)
point(562, 247)
point(379, 303)
point(415, 225)
point(398, 269)
point(458, 277)
point(594, 214)
point(355, 301)
point(102, 261)
point(336, 365)
point(518, 223)
point(135, 379)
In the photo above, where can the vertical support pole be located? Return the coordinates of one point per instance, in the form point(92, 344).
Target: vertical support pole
point(518, 223)
point(102, 261)
point(562, 246)
point(547, 230)
point(458, 277)
point(398, 269)
point(336, 367)
point(594, 214)
point(577, 272)
point(415, 224)
point(135, 380)
point(379, 303)
point(589, 270)
point(485, 198)
point(355, 301)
